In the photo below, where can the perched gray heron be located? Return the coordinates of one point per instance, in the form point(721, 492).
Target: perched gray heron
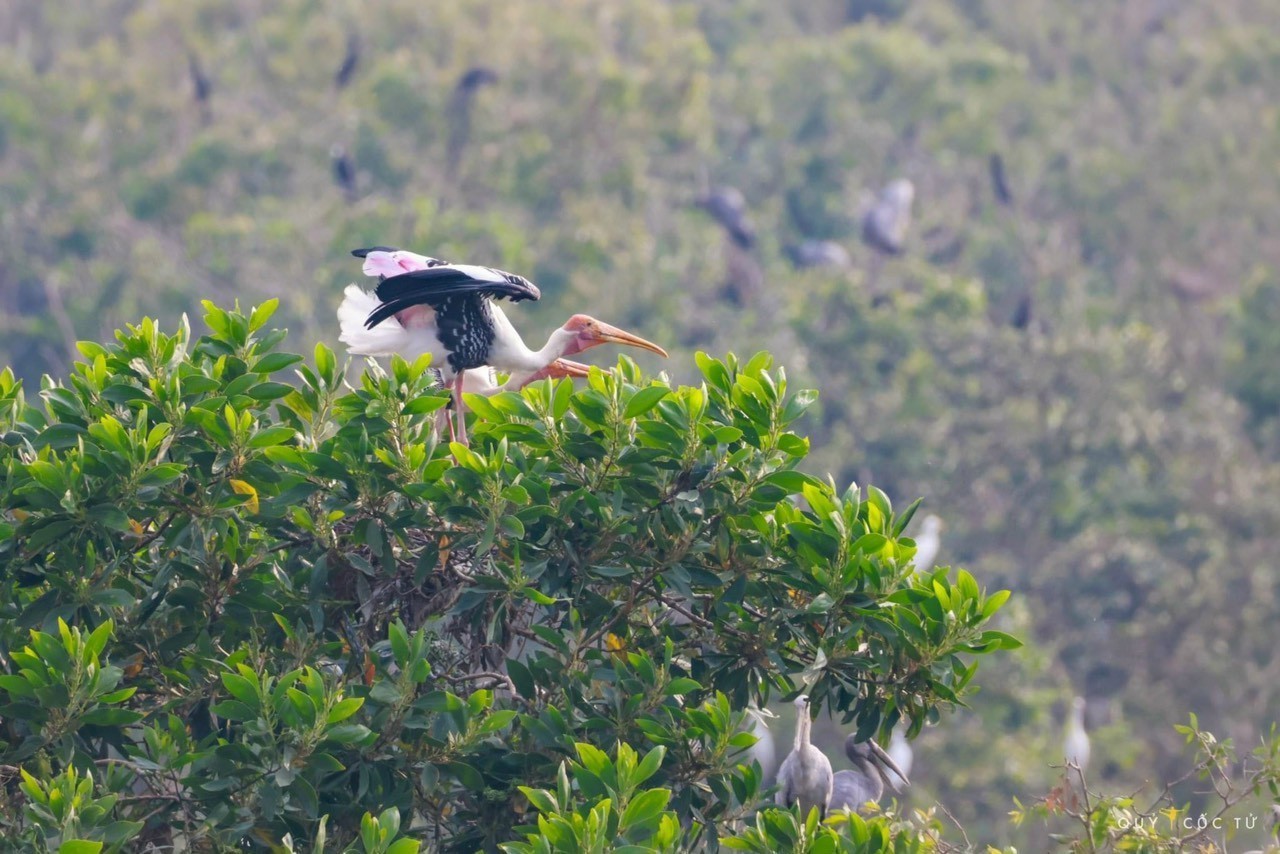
point(885, 219)
point(866, 782)
point(818, 253)
point(805, 776)
point(927, 545)
point(1076, 746)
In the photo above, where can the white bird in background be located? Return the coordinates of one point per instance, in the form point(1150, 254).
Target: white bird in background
point(805, 776)
point(900, 751)
point(1076, 747)
point(873, 767)
point(763, 751)
point(887, 217)
point(818, 253)
point(927, 544)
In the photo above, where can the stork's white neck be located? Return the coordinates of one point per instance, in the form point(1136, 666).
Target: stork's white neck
point(510, 353)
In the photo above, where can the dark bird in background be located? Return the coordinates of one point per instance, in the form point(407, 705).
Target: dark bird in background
point(344, 171)
point(1023, 311)
point(1195, 284)
point(460, 108)
point(201, 85)
point(818, 253)
point(473, 78)
point(999, 180)
point(729, 208)
point(744, 277)
point(350, 61)
point(872, 766)
point(887, 217)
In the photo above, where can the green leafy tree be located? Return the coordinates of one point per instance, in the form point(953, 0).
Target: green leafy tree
point(237, 610)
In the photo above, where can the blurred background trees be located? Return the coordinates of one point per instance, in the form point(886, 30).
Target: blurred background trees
point(1073, 360)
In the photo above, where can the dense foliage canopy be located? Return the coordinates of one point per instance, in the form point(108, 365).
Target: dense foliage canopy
point(235, 606)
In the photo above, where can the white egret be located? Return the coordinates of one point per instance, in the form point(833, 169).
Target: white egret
point(1076, 747)
point(928, 544)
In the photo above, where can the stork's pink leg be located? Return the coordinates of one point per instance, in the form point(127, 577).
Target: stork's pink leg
point(457, 406)
point(443, 417)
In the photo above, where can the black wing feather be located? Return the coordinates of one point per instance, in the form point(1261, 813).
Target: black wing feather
point(363, 253)
point(436, 284)
point(382, 312)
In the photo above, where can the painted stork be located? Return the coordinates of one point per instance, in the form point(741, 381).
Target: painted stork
point(805, 776)
point(360, 304)
point(853, 789)
point(1076, 746)
point(887, 217)
point(448, 310)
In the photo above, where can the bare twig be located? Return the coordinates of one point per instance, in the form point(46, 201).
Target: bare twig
point(968, 846)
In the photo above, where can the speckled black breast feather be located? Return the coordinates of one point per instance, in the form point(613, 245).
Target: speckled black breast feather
point(465, 328)
point(460, 297)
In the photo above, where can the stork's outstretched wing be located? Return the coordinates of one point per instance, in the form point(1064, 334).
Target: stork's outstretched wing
point(447, 281)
